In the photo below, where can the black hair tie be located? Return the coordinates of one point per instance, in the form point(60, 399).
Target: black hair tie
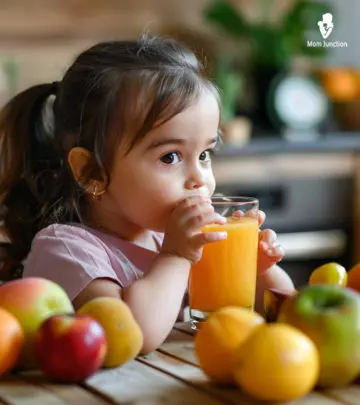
point(54, 87)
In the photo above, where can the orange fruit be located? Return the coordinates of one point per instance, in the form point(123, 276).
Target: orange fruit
point(11, 341)
point(277, 363)
point(123, 335)
point(219, 337)
point(341, 84)
point(354, 277)
point(329, 273)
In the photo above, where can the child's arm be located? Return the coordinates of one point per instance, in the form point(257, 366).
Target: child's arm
point(155, 300)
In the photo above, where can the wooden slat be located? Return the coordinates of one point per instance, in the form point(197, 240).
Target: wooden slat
point(193, 376)
point(183, 365)
point(137, 383)
point(16, 391)
point(316, 398)
point(349, 395)
point(70, 393)
point(181, 346)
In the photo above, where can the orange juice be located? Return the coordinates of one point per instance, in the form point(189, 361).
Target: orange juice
point(226, 273)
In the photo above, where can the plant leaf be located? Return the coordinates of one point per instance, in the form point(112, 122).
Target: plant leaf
point(226, 17)
point(230, 83)
point(269, 47)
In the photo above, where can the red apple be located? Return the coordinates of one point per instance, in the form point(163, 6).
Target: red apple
point(70, 348)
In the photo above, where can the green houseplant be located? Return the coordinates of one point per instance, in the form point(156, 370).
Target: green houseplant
point(272, 46)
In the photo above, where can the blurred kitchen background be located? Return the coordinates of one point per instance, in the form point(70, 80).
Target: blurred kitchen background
point(291, 99)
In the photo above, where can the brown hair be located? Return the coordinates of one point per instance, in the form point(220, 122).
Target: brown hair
point(114, 91)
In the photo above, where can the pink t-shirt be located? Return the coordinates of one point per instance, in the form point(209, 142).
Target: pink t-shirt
point(74, 255)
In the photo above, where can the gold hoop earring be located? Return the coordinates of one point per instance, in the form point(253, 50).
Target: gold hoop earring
point(95, 195)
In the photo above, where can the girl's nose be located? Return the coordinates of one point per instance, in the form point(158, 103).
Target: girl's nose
point(195, 179)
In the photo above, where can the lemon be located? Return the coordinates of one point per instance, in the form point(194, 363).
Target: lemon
point(329, 273)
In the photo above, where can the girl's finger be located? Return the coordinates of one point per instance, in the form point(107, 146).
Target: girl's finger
point(198, 221)
point(253, 213)
point(190, 202)
point(268, 236)
point(261, 217)
point(267, 257)
point(273, 253)
point(238, 214)
point(195, 210)
point(203, 238)
point(276, 252)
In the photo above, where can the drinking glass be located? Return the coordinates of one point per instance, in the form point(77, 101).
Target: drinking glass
point(226, 272)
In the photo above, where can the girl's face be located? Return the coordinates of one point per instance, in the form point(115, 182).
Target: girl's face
point(171, 163)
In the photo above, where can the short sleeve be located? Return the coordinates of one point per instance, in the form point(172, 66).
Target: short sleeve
point(70, 257)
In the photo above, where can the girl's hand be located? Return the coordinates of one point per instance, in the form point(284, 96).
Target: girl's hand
point(269, 253)
point(183, 236)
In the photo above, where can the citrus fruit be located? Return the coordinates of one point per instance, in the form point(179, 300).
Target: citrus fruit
point(123, 335)
point(341, 84)
point(219, 337)
point(11, 341)
point(329, 273)
point(354, 277)
point(277, 363)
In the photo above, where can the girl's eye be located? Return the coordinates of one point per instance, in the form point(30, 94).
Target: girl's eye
point(170, 158)
point(206, 155)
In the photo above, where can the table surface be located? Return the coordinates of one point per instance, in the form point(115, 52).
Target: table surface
point(169, 375)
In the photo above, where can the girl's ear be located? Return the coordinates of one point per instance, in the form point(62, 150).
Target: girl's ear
point(79, 159)
point(81, 162)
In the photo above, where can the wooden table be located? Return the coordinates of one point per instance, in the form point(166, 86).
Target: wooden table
point(168, 376)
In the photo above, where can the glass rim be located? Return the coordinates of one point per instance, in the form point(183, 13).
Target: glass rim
point(238, 200)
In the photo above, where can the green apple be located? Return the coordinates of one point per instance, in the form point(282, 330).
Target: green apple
point(330, 315)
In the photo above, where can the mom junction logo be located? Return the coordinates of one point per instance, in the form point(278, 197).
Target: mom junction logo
point(326, 27)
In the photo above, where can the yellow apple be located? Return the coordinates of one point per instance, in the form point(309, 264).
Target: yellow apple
point(32, 300)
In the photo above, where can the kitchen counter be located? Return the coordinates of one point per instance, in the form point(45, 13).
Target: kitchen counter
point(334, 142)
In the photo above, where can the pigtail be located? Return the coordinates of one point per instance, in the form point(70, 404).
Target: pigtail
point(27, 152)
